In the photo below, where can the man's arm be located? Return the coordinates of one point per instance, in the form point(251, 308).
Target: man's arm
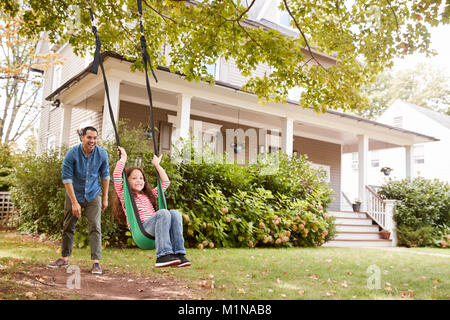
point(76, 208)
point(104, 176)
point(105, 187)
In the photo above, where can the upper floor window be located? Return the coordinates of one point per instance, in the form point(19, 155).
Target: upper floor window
point(285, 19)
point(213, 69)
point(57, 70)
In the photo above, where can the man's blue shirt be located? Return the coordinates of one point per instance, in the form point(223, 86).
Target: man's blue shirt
point(83, 172)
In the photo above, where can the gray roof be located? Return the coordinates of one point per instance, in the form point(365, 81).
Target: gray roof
point(439, 117)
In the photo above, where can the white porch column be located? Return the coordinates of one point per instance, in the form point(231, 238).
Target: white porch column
point(66, 123)
point(183, 116)
point(287, 136)
point(114, 94)
point(363, 168)
point(409, 161)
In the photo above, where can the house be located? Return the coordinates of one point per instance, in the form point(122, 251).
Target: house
point(429, 160)
point(214, 114)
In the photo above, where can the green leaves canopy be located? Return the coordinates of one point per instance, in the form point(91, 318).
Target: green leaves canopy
point(364, 36)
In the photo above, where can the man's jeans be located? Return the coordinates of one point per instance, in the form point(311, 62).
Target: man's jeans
point(93, 213)
point(167, 228)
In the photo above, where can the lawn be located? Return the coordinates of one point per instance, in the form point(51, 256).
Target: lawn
point(294, 273)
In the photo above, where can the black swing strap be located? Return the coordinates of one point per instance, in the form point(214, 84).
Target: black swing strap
point(147, 62)
point(98, 62)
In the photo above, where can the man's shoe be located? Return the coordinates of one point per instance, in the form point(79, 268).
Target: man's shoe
point(167, 260)
point(96, 268)
point(184, 261)
point(58, 263)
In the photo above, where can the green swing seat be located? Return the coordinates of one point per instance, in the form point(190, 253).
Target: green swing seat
point(140, 237)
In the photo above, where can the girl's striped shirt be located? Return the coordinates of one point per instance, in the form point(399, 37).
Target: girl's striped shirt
point(143, 203)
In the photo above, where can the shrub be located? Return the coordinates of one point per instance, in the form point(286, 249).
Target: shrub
point(278, 201)
point(423, 211)
point(6, 167)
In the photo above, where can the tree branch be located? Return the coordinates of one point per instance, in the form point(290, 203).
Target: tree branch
point(393, 11)
point(303, 35)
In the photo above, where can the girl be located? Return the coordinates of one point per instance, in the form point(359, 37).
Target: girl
point(165, 225)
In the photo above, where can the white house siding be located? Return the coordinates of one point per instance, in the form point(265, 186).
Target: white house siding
point(72, 64)
point(81, 118)
point(324, 153)
point(436, 154)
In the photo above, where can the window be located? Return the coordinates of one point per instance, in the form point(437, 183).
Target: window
point(56, 77)
point(295, 93)
point(355, 160)
point(398, 122)
point(375, 160)
point(419, 156)
point(213, 69)
point(285, 19)
point(323, 168)
point(51, 142)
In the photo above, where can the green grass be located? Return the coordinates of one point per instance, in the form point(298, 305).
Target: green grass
point(296, 273)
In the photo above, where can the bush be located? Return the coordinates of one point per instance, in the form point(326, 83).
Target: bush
point(279, 201)
point(39, 194)
point(6, 167)
point(423, 211)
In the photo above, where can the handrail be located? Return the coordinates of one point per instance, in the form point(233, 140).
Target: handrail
point(346, 198)
point(376, 207)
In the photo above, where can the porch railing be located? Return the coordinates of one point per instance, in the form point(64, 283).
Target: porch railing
point(381, 211)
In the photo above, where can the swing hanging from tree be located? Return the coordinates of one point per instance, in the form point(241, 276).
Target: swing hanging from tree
point(143, 239)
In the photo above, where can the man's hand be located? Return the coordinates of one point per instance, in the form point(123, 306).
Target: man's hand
point(104, 203)
point(76, 209)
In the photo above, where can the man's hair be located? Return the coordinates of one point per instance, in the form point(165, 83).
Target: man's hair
point(83, 132)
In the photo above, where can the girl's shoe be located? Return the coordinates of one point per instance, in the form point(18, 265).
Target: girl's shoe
point(167, 260)
point(184, 261)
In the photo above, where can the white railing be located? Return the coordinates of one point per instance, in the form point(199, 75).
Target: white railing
point(381, 211)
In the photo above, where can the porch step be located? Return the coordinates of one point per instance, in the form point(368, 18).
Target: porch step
point(357, 236)
point(355, 221)
point(358, 243)
point(356, 229)
point(348, 214)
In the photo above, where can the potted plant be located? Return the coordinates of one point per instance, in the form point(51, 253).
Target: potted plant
point(386, 170)
point(385, 234)
point(357, 205)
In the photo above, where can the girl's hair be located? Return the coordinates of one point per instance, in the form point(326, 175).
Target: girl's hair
point(117, 209)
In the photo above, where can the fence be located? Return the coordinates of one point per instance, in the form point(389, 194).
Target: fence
point(8, 213)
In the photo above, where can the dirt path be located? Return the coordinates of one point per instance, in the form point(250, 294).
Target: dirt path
point(37, 281)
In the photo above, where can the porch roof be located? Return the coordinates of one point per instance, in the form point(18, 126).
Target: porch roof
point(332, 126)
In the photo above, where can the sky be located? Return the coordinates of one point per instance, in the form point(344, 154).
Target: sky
point(440, 41)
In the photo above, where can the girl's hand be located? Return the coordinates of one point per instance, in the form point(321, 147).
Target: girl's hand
point(156, 160)
point(122, 153)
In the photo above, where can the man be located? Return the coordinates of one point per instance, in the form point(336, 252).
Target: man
point(81, 169)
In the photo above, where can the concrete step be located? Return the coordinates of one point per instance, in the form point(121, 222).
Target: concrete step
point(358, 243)
point(356, 228)
point(351, 220)
point(357, 236)
point(347, 214)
